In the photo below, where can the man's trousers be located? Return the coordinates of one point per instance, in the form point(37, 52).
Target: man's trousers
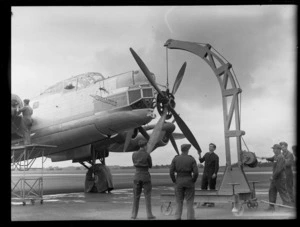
point(187, 193)
point(279, 185)
point(207, 180)
point(137, 191)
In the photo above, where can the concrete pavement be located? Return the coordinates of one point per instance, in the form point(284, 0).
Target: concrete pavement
point(117, 206)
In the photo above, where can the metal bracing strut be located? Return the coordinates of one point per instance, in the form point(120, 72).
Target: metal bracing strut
point(229, 90)
point(22, 158)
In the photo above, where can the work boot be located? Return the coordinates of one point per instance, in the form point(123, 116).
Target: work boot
point(270, 209)
point(151, 217)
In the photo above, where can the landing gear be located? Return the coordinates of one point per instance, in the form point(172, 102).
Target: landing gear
point(98, 176)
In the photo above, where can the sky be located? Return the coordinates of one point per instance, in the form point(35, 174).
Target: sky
point(49, 44)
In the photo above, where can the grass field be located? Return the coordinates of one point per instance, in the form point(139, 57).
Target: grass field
point(131, 170)
point(72, 180)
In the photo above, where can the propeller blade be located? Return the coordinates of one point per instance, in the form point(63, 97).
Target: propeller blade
point(128, 139)
point(174, 143)
point(179, 78)
point(146, 71)
point(156, 132)
point(144, 133)
point(185, 129)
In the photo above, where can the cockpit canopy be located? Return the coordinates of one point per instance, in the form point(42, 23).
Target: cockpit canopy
point(80, 81)
point(128, 79)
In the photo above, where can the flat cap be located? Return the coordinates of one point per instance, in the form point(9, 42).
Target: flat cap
point(185, 147)
point(283, 143)
point(142, 143)
point(213, 145)
point(276, 146)
point(26, 100)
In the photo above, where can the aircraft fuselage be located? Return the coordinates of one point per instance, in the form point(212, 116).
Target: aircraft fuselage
point(77, 112)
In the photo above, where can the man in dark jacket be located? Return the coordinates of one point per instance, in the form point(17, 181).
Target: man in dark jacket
point(142, 179)
point(211, 168)
point(278, 179)
point(289, 161)
point(27, 121)
point(187, 173)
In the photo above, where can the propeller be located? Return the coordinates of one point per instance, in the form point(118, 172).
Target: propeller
point(156, 132)
point(172, 139)
point(145, 70)
point(144, 133)
point(165, 107)
point(179, 78)
point(128, 139)
point(186, 131)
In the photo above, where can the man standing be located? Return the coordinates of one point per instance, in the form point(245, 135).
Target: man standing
point(211, 168)
point(184, 165)
point(289, 161)
point(278, 182)
point(294, 148)
point(26, 112)
point(142, 179)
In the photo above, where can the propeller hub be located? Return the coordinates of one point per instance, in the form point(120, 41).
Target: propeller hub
point(166, 100)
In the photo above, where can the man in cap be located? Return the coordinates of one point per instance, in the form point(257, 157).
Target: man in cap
point(142, 179)
point(294, 148)
point(211, 168)
point(187, 173)
point(289, 161)
point(278, 182)
point(26, 112)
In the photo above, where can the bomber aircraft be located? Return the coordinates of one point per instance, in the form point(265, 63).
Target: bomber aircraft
point(87, 116)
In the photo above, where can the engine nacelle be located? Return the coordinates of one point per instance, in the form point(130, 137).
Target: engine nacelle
point(78, 154)
point(133, 145)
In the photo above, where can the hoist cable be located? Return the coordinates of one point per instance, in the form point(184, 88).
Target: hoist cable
point(167, 68)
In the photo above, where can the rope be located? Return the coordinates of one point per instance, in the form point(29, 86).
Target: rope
point(220, 54)
point(167, 53)
point(236, 78)
point(245, 143)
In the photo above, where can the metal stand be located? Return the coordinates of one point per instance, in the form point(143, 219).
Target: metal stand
point(230, 95)
point(22, 159)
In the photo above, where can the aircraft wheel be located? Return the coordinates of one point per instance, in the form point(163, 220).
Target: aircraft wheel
point(24, 203)
point(250, 204)
point(32, 201)
point(255, 205)
point(166, 208)
point(42, 201)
